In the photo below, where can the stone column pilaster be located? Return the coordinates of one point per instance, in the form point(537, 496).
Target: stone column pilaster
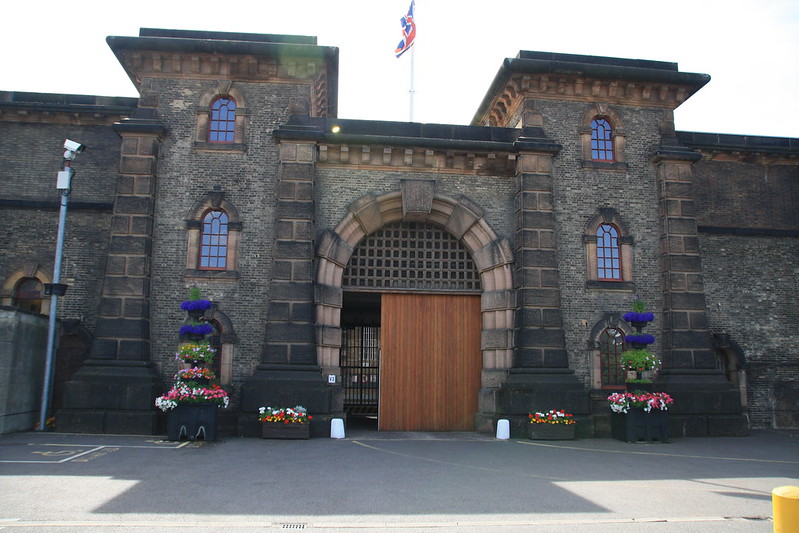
point(114, 390)
point(540, 375)
point(705, 402)
point(288, 374)
point(540, 342)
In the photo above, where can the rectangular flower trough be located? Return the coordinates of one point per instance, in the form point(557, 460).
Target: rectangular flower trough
point(279, 430)
point(552, 431)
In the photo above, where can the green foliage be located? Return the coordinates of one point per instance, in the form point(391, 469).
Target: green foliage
point(195, 293)
point(639, 360)
point(639, 306)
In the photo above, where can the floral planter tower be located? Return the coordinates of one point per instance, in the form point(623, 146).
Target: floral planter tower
point(639, 360)
point(192, 402)
point(639, 414)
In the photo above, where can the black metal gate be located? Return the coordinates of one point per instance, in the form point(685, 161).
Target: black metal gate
point(360, 369)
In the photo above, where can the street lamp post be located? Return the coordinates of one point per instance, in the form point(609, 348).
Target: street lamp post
point(56, 289)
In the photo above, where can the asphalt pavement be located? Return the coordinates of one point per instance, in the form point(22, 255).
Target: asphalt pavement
point(378, 481)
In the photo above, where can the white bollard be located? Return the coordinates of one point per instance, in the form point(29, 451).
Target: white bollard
point(337, 428)
point(503, 429)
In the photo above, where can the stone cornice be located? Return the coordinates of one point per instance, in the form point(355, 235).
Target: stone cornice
point(247, 61)
point(742, 148)
point(64, 108)
point(432, 147)
point(373, 157)
point(623, 84)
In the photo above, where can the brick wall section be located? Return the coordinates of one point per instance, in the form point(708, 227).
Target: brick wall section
point(747, 195)
point(248, 181)
point(579, 191)
point(749, 241)
point(30, 156)
point(752, 286)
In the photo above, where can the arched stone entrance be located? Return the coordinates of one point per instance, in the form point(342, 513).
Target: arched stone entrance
point(461, 218)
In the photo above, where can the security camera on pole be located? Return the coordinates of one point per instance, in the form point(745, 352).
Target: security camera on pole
point(56, 289)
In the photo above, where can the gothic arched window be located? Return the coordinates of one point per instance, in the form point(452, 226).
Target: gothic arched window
point(28, 294)
point(611, 346)
point(214, 241)
point(608, 253)
point(601, 140)
point(222, 123)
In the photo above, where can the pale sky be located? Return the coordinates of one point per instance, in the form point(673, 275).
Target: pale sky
point(749, 48)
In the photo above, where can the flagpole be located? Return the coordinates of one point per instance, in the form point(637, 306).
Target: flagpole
point(411, 90)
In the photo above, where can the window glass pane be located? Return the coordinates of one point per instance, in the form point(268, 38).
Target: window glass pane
point(611, 346)
point(28, 294)
point(222, 123)
point(608, 253)
point(216, 343)
point(601, 140)
point(213, 239)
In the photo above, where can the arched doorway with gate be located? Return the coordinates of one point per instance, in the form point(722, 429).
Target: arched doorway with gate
point(416, 312)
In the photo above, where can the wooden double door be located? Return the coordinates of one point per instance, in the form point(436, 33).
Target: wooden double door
point(430, 362)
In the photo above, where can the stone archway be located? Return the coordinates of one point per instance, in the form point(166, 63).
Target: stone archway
point(415, 201)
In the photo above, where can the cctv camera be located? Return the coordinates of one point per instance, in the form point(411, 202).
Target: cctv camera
point(73, 149)
point(72, 146)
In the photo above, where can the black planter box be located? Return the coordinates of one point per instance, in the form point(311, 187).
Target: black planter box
point(552, 431)
point(276, 430)
point(643, 387)
point(638, 425)
point(192, 422)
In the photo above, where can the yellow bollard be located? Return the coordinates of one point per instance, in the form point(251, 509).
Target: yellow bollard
point(785, 504)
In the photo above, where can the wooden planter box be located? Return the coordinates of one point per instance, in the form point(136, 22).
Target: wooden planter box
point(192, 422)
point(552, 431)
point(276, 430)
point(638, 425)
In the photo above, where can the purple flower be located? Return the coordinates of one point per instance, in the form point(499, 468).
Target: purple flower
point(640, 338)
point(632, 316)
point(195, 305)
point(201, 329)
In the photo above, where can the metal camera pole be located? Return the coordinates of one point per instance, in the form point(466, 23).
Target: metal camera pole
point(64, 186)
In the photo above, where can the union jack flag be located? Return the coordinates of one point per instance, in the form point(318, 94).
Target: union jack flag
point(408, 32)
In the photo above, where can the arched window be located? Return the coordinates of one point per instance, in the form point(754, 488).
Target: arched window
point(601, 140)
point(222, 124)
point(608, 253)
point(213, 230)
point(222, 339)
point(216, 343)
point(214, 241)
point(611, 346)
point(28, 294)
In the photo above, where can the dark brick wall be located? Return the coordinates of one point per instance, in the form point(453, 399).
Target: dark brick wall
point(30, 157)
point(747, 195)
point(578, 193)
point(248, 182)
point(752, 286)
point(31, 154)
point(751, 276)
